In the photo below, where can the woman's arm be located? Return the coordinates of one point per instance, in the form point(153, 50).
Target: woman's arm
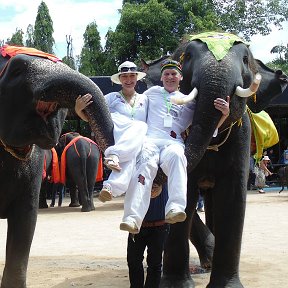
point(81, 103)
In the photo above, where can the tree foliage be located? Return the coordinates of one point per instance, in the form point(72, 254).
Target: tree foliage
point(281, 61)
point(17, 38)
point(91, 58)
point(43, 30)
point(250, 17)
point(144, 30)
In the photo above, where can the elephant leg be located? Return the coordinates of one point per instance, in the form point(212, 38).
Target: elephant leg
point(21, 226)
point(203, 240)
point(176, 272)
point(229, 201)
point(74, 196)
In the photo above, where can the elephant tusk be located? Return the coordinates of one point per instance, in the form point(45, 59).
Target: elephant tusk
point(184, 100)
point(251, 90)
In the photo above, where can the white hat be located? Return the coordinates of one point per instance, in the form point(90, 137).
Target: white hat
point(124, 68)
point(266, 158)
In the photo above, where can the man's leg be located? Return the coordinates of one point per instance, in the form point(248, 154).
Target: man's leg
point(135, 255)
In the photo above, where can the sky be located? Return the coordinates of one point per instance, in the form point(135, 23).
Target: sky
point(70, 17)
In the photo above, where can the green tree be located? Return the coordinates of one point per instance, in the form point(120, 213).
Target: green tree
point(91, 57)
point(144, 31)
point(43, 30)
point(110, 61)
point(30, 36)
point(281, 61)
point(17, 38)
point(250, 17)
point(244, 17)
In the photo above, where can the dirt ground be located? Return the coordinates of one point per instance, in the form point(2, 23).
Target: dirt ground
point(74, 249)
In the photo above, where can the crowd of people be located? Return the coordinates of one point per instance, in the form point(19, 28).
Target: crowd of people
point(147, 134)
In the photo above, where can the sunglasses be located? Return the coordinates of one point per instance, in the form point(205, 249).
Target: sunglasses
point(127, 69)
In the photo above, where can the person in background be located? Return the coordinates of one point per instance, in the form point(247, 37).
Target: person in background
point(152, 236)
point(265, 171)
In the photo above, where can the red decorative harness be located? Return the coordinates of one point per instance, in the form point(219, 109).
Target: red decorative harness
point(99, 176)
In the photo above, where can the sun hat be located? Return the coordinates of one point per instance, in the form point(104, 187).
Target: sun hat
point(171, 64)
point(124, 68)
point(266, 158)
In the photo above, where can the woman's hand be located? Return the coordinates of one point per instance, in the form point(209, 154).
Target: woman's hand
point(81, 103)
point(223, 105)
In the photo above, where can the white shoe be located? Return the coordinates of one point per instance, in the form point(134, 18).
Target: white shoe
point(106, 193)
point(129, 226)
point(174, 216)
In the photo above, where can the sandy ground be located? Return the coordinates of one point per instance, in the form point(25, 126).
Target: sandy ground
point(74, 249)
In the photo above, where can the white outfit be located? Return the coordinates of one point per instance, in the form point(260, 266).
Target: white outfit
point(129, 132)
point(163, 146)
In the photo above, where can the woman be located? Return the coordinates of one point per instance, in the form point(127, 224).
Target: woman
point(129, 112)
point(262, 173)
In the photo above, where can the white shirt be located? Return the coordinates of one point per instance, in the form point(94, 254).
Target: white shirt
point(118, 104)
point(182, 115)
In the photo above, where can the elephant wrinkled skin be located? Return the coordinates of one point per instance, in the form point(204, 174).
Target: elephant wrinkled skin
point(219, 165)
point(34, 95)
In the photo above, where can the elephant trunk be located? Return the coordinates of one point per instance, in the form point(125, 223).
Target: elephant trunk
point(206, 117)
point(64, 86)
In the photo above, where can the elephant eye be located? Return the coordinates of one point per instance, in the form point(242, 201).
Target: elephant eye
point(245, 60)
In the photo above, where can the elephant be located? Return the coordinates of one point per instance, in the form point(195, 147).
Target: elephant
point(219, 165)
point(36, 89)
point(82, 159)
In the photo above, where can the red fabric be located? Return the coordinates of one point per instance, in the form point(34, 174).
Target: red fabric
point(55, 173)
point(11, 51)
point(99, 175)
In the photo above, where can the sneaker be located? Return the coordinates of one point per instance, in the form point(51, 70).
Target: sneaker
point(106, 193)
point(129, 226)
point(261, 191)
point(174, 216)
point(200, 209)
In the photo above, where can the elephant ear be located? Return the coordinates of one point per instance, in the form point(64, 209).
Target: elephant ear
point(272, 85)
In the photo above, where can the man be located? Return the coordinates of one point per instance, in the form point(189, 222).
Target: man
point(165, 147)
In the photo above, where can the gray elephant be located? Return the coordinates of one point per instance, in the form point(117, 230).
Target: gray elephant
point(217, 165)
point(34, 94)
point(81, 161)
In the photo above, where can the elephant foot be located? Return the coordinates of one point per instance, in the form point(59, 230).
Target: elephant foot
point(175, 282)
point(74, 205)
point(86, 209)
point(218, 283)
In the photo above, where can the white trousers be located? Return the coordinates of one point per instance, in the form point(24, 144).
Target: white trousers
point(173, 162)
point(129, 136)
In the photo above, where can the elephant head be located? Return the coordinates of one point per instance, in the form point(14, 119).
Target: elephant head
point(35, 92)
point(212, 72)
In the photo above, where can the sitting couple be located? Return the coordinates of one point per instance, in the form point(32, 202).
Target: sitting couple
point(147, 133)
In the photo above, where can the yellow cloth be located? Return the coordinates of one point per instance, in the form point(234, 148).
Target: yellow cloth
point(218, 43)
point(264, 131)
